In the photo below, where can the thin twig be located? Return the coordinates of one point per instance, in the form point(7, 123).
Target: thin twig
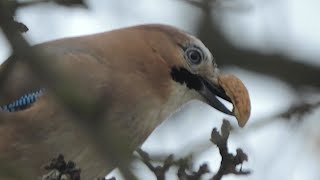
point(229, 161)
point(159, 171)
point(59, 2)
point(300, 110)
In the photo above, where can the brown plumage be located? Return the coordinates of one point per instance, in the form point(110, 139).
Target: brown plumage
point(143, 73)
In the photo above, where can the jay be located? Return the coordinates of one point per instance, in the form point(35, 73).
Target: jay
point(142, 73)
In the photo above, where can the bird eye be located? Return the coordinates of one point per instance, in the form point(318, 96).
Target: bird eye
point(194, 55)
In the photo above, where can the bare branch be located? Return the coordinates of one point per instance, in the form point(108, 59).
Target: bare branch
point(59, 169)
point(67, 3)
point(300, 110)
point(229, 161)
point(295, 73)
point(183, 175)
point(228, 165)
point(159, 171)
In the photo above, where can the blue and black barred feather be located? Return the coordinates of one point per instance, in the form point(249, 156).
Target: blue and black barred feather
point(23, 102)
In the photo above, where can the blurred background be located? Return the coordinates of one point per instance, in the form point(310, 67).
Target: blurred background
point(272, 46)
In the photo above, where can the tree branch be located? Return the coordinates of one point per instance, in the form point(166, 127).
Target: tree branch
point(228, 164)
point(296, 74)
point(229, 161)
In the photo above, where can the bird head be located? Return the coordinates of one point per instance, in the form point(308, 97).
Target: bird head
point(191, 64)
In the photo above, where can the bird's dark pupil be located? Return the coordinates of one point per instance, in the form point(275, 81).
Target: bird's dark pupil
point(195, 56)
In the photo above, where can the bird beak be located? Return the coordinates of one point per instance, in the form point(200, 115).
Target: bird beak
point(210, 90)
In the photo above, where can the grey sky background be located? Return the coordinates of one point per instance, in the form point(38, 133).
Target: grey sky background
point(277, 150)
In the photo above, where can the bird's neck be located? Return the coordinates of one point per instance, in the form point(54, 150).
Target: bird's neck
point(179, 96)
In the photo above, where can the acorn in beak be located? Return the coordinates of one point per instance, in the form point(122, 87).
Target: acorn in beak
point(231, 89)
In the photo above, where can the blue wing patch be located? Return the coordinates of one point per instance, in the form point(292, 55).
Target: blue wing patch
point(23, 102)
